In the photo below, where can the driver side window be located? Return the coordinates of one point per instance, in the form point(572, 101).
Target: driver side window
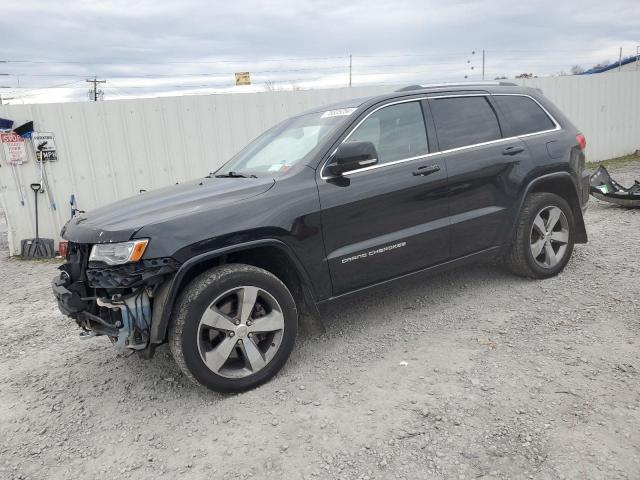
point(397, 131)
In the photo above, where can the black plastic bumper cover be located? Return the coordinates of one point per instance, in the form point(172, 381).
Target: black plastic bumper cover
point(69, 295)
point(605, 188)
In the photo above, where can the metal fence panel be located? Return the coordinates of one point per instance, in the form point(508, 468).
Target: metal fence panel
point(111, 150)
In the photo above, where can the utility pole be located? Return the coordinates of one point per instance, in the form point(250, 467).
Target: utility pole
point(620, 60)
point(95, 93)
point(350, 68)
point(483, 64)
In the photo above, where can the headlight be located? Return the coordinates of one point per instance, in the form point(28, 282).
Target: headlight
point(118, 253)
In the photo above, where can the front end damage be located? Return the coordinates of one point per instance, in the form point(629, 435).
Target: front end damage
point(116, 301)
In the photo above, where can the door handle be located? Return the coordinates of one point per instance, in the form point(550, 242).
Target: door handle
point(426, 170)
point(512, 150)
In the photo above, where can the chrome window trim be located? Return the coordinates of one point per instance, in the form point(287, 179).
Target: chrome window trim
point(395, 162)
point(440, 152)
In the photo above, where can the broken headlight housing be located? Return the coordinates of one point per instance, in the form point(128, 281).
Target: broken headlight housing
point(118, 253)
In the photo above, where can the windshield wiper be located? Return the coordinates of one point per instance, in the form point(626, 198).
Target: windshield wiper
point(234, 175)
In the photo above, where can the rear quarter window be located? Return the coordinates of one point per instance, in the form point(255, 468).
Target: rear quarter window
point(521, 115)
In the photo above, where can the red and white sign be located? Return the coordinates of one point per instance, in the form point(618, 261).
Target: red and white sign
point(15, 150)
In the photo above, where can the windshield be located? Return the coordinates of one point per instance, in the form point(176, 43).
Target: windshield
point(286, 144)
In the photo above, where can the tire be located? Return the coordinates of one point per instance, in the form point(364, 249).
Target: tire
point(532, 230)
point(206, 326)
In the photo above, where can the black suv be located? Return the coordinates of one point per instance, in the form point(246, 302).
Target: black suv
point(323, 205)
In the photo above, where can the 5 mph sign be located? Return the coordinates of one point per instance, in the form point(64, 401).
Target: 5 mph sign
point(45, 147)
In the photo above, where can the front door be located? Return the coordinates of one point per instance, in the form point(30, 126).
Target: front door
point(389, 219)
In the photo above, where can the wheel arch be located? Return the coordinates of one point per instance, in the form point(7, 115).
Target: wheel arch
point(270, 254)
point(561, 184)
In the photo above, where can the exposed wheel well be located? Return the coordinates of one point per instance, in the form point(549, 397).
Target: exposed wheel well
point(270, 258)
point(563, 187)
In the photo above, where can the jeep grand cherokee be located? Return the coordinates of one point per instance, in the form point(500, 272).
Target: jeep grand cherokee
point(323, 205)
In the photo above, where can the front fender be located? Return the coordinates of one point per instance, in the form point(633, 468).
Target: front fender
point(166, 295)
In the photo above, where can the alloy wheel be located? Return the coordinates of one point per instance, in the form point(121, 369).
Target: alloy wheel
point(240, 332)
point(549, 237)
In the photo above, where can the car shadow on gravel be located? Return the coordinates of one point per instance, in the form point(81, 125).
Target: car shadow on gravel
point(424, 290)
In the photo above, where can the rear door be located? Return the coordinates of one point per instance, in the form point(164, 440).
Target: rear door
point(389, 219)
point(483, 167)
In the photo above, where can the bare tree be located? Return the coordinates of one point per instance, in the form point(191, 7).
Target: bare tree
point(270, 86)
point(577, 70)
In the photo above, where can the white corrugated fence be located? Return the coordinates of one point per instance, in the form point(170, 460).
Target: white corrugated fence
point(110, 150)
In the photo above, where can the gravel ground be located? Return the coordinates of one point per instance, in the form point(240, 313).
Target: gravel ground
point(469, 374)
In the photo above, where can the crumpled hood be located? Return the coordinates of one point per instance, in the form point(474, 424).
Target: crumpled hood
point(119, 221)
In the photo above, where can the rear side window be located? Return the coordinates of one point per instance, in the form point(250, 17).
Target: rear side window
point(397, 132)
point(462, 121)
point(522, 115)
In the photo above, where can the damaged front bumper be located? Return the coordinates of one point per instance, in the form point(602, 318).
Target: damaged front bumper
point(605, 188)
point(112, 301)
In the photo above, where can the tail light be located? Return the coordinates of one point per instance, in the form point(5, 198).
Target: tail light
point(582, 142)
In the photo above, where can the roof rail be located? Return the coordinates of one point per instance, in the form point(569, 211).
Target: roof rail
point(458, 84)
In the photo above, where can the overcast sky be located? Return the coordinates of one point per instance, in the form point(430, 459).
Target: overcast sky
point(152, 48)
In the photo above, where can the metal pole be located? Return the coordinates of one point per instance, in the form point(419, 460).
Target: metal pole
point(482, 64)
point(95, 82)
point(620, 60)
point(350, 68)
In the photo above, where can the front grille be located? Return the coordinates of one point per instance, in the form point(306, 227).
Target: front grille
point(144, 272)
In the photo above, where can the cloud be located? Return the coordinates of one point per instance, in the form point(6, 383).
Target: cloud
point(144, 47)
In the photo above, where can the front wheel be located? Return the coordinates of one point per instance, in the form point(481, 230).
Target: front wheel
point(233, 328)
point(544, 237)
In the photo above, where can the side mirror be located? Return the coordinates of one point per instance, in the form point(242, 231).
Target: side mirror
point(352, 156)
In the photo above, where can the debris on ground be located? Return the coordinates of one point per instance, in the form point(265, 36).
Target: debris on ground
point(605, 188)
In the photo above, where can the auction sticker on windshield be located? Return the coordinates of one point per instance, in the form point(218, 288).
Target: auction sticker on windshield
point(338, 113)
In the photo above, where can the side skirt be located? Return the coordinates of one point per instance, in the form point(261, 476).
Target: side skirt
point(441, 267)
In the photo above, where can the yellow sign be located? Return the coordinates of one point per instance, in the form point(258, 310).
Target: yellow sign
point(242, 78)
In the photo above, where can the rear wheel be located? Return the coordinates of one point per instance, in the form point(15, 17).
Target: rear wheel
point(544, 237)
point(234, 328)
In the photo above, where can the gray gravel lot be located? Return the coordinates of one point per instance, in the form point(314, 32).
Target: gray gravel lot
point(504, 378)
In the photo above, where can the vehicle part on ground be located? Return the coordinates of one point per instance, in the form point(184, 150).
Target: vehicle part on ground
point(544, 237)
point(605, 188)
point(37, 247)
point(234, 329)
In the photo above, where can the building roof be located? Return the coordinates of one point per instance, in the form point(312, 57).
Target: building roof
point(611, 66)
